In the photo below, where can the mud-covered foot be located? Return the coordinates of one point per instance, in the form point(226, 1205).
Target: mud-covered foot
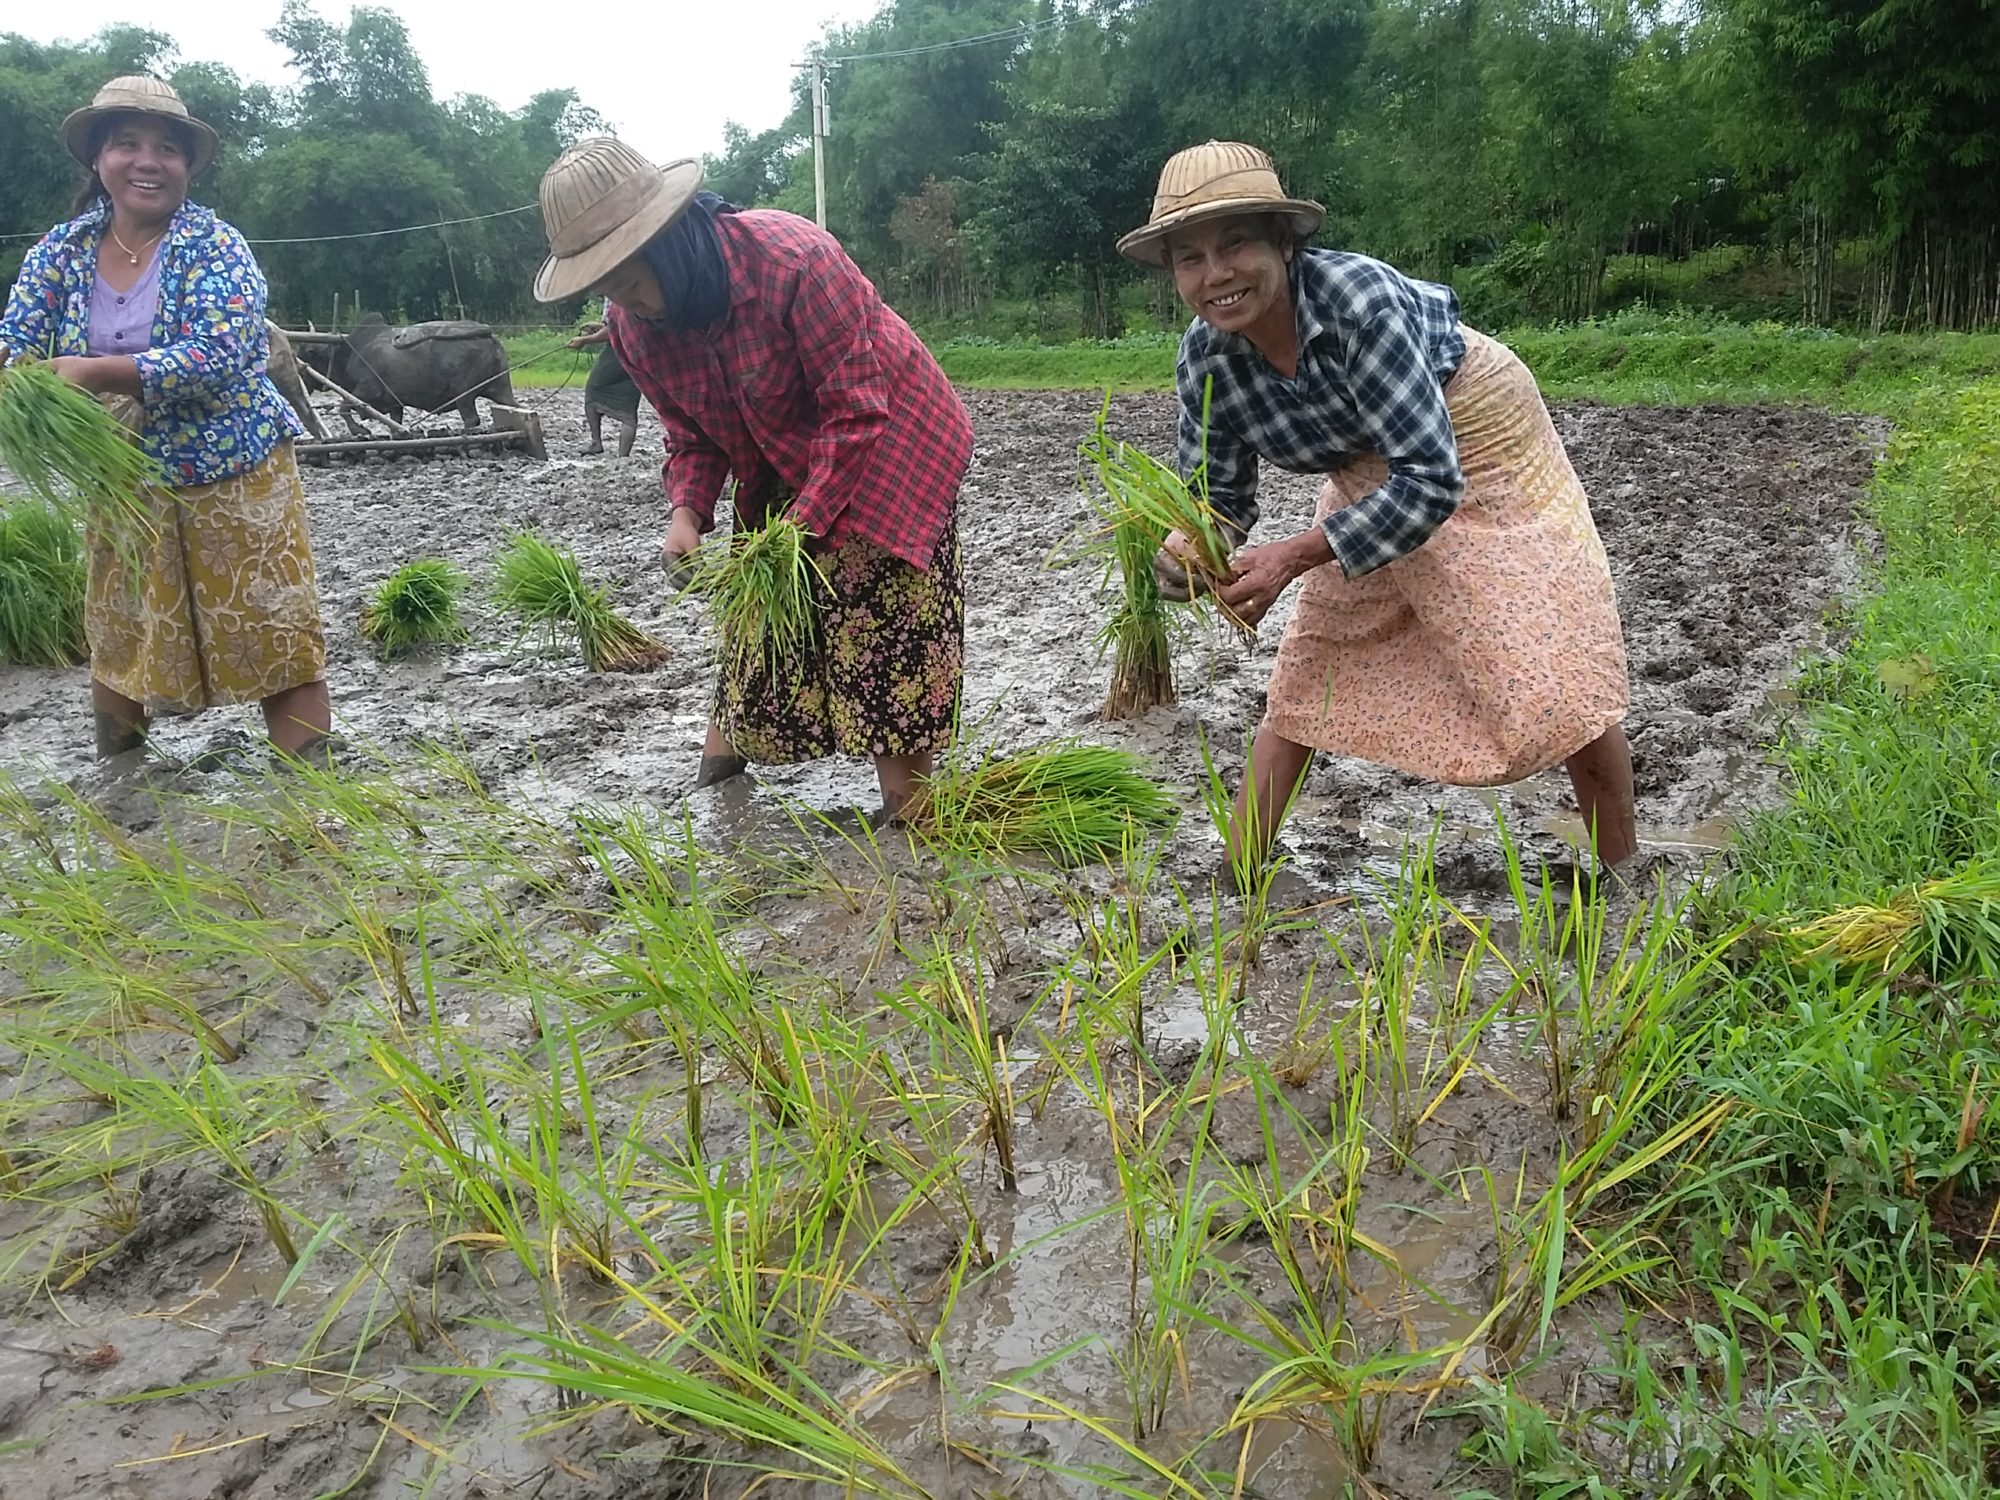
point(593, 450)
point(716, 769)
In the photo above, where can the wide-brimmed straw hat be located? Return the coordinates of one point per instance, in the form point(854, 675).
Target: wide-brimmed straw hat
point(601, 202)
point(137, 94)
point(1214, 181)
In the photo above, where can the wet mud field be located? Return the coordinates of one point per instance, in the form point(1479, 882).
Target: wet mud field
point(524, 814)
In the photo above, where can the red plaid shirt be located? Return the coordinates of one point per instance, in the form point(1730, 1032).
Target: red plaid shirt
point(812, 381)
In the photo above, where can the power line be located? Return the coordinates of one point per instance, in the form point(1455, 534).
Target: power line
point(360, 234)
point(1021, 32)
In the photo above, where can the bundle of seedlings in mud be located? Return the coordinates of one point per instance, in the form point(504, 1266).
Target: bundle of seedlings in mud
point(417, 605)
point(1948, 928)
point(1142, 503)
point(41, 586)
point(766, 589)
point(1071, 803)
point(73, 454)
point(543, 584)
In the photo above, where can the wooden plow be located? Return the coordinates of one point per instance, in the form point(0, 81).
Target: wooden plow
point(370, 431)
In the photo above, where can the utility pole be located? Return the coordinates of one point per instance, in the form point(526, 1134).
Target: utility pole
point(819, 140)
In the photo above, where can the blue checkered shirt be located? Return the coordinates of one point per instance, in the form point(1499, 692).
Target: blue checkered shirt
point(1375, 351)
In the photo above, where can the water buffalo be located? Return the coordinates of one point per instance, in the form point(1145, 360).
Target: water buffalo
point(425, 366)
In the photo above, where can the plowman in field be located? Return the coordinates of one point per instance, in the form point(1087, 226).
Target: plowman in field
point(1457, 620)
point(151, 301)
point(767, 354)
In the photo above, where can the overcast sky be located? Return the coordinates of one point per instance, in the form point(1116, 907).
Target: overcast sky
point(667, 74)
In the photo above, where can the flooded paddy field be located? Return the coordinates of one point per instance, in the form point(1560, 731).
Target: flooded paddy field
point(501, 1046)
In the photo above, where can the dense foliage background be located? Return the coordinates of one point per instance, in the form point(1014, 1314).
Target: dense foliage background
point(1818, 161)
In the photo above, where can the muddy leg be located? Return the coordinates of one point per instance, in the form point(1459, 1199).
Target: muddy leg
point(595, 423)
point(121, 721)
point(719, 760)
point(1277, 766)
point(1601, 772)
point(899, 776)
point(468, 413)
point(628, 434)
point(298, 717)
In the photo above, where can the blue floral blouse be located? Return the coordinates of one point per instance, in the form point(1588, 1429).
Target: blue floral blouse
point(211, 411)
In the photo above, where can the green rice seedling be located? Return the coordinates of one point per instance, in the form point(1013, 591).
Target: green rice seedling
point(72, 453)
point(416, 605)
point(949, 1009)
point(1253, 870)
point(689, 1387)
point(1071, 803)
point(41, 586)
point(203, 1115)
point(543, 584)
point(1143, 498)
point(767, 590)
point(1172, 1213)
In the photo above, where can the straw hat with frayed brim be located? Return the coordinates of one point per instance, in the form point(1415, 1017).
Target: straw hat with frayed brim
point(1217, 180)
point(601, 202)
point(137, 94)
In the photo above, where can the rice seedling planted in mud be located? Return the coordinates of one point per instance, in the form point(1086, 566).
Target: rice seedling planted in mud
point(70, 451)
point(41, 586)
point(1072, 803)
point(416, 605)
point(543, 584)
point(766, 589)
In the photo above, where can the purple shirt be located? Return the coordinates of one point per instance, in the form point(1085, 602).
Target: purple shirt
point(122, 322)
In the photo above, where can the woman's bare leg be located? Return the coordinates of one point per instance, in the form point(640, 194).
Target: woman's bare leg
point(298, 717)
point(899, 776)
point(121, 721)
point(1277, 766)
point(1601, 772)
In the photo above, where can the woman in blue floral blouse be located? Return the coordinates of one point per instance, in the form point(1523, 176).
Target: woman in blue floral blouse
point(156, 306)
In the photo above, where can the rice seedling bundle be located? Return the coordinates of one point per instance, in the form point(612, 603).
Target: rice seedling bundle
point(1143, 499)
point(543, 584)
point(73, 454)
point(766, 590)
point(1071, 803)
point(1949, 926)
point(416, 605)
point(41, 586)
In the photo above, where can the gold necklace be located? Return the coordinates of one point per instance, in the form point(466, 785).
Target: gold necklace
point(131, 254)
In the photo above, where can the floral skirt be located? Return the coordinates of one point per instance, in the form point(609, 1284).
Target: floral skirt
point(881, 678)
point(219, 604)
point(1491, 652)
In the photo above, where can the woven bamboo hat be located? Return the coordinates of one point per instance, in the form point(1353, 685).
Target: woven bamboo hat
point(137, 94)
point(601, 202)
point(1214, 181)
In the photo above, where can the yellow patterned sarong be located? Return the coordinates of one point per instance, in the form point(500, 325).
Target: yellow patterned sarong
point(1494, 650)
point(220, 605)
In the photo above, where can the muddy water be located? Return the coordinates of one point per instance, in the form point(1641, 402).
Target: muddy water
point(1731, 532)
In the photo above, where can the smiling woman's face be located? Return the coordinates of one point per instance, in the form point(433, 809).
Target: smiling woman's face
point(143, 165)
point(1229, 273)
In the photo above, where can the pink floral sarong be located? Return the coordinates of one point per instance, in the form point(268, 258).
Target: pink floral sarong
point(1491, 652)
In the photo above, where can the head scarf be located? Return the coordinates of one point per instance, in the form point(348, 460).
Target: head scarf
point(686, 257)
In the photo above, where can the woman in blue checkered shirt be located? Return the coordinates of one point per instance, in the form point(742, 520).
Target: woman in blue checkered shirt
point(1457, 619)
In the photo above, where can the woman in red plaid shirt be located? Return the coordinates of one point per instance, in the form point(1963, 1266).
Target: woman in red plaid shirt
point(770, 357)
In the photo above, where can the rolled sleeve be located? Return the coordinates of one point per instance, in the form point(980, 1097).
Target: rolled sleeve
point(1402, 408)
